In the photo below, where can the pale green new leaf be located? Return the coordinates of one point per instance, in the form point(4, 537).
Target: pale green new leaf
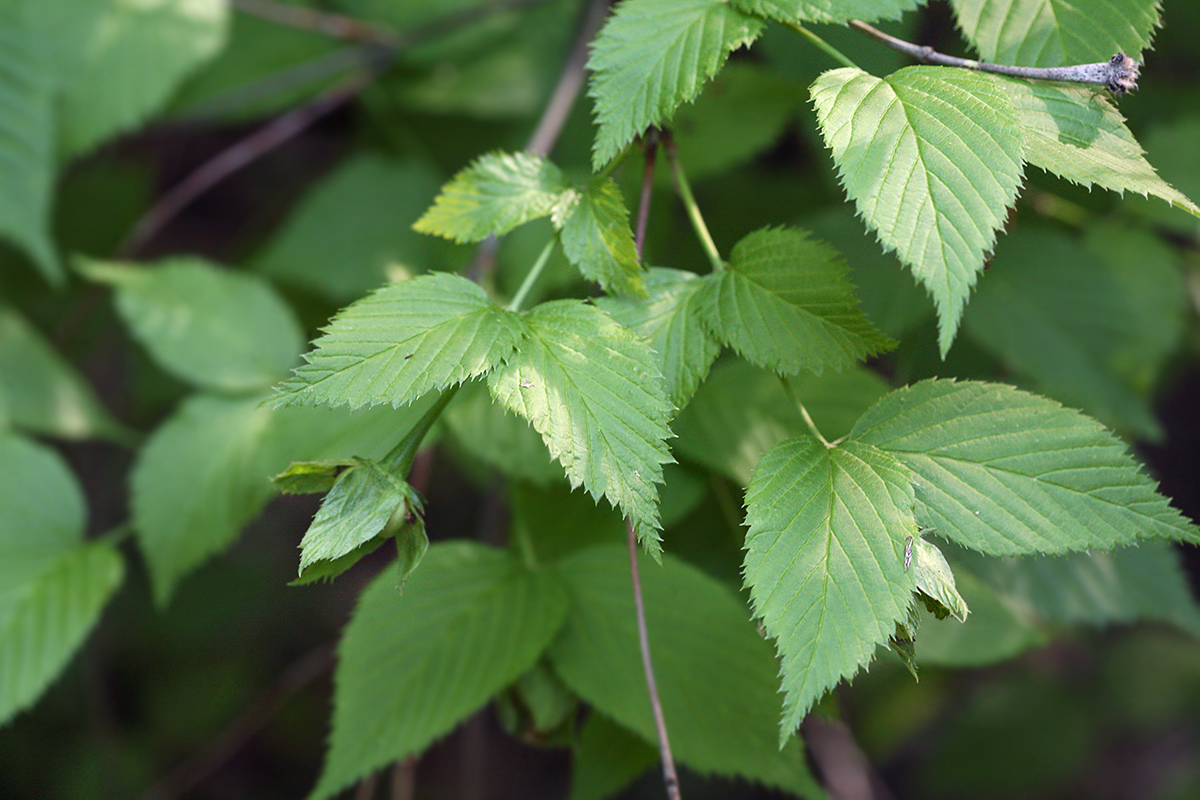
point(403, 340)
point(27, 131)
point(716, 675)
point(786, 303)
point(998, 629)
point(119, 62)
point(42, 391)
point(836, 11)
point(215, 328)
point(652, 56)
point(825, 560)
point(669, 319)
point(53, 585)
point(741, 411)
point(495, 194)
point(1077, 134)
point(356, 510)
point(593, 391)
point(413, 665)
point(594, 228)
point(1006, 472)
point(932, 158)
point(1052, 33)
point(935, 580)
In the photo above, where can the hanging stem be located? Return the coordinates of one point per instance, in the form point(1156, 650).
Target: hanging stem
point(670, 778)
point(689, 202)
point(808, 420)
point(650, 147)
point(1119, 74)
point(400, 459)
point(829, 49)
point(532, 277)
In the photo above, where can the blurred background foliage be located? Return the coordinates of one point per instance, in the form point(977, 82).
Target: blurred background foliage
point(224, 693)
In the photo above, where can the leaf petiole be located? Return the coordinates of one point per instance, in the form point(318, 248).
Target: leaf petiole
point(400, 460)
point(531, 278)
point(829, 49)
point(689, 202)
point(808, 420)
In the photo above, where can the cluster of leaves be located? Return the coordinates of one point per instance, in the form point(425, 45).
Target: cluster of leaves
point(866, 506)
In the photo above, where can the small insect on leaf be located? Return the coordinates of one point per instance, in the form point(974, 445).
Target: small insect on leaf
point(908, 545)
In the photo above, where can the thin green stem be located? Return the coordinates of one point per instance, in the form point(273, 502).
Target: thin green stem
point(829, 49)
point(532, 277)
point(689, 202)
point(400, 459)
point(525, 547)
point(808, 420)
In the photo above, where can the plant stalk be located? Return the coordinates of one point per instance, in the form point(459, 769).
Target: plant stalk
point(689, 203)
point(808, 420)
point(1119, 74)
point(531, 278)
point(823, 45)
point(670, 777)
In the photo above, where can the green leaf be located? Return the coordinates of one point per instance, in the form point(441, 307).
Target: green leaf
point(1077, 134)
point(824, 560)
point(741, 411)
point(311, 477)
point(1055, 312)
point(124, 60)
point(42, 391)
point(356, 510)
point(215, 328)
point(1006, 472)
point(651, 56)
point(836, 11)
point(485, 431)
point(402, 341)
point(594, 227)
point(932, 158)
point(786, 303)
point(493, 195)
point(935, 580)
point(206, 471)
point(53, 585)
point(607, 759)
point(413, 665)
point(669, 319)
point(997, 630)
point(592, 390)
point(1146, 582)
point(348, 235)
point(27, 130)
point(1051, 33)
point(715, 674)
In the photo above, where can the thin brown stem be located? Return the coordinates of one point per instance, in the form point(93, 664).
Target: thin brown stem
point(235, 158)
point(404, 779)
point(670, 778)
point(323, 22)
point(1119, 74)
point(650, 148)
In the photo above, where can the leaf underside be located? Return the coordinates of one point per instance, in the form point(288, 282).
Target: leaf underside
point(932, 158)
point(1006, 472)
point(824, 560)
